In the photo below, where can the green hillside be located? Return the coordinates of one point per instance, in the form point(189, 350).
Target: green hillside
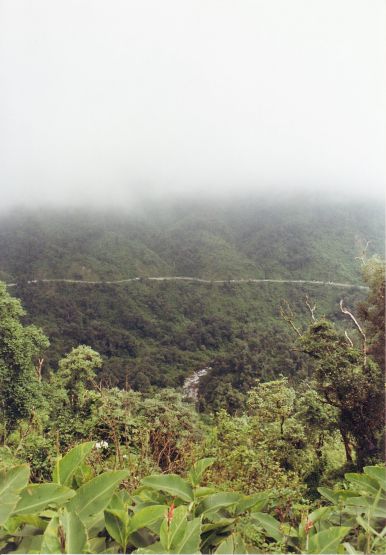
point(299, 240)
point(154, 334)
point(278, 448)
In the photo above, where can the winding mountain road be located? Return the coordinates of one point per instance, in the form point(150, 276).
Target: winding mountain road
point(198, 280)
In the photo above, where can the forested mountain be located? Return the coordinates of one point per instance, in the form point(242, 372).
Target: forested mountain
point(280, 452)
point(298, 239)
point(156, 333)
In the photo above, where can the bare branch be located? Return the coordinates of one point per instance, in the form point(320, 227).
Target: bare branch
point(288, 316)
point(348, 339)
point(346, 311)
point(363, 257)
point(38, 369)
point(310, 308)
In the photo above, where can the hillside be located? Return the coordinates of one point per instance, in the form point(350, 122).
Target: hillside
point(280, 413)
point(257, 239)
point(156, 333)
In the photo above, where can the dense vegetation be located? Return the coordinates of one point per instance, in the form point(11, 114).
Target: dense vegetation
point(299, 239)
point(101, 451)
point(154, 334)
point(169, 514)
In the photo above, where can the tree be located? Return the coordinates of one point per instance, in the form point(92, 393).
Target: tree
point(272, 409)
point(352, 383)
point(372, 310)
point(77, 372)
point(20, 348)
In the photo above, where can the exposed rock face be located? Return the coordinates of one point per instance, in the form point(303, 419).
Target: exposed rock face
point(190, 386)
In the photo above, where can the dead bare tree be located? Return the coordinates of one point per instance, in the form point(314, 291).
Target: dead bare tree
point(349, 341)
point(310, 308)
point(359, 327)
point(38, 369)
point(363, 257)
point(288, 316)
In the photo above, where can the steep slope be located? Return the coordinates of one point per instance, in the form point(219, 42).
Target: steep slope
point(285, 240)
point(156, 333)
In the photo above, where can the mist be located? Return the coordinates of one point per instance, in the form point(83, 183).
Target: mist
point(113, 103)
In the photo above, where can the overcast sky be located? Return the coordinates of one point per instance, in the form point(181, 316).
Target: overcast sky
point(108, 99)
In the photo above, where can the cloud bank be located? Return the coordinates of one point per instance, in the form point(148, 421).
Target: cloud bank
point(106, 101)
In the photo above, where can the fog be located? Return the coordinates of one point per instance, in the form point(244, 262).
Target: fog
point(116, 101)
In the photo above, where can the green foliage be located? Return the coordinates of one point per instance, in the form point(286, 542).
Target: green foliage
point(155, 333)
point(93, 496)
point(372, 310)
point(232, 375)
point(20, 347)
point(352, 384)
point(357, 513)
point(271, 416)
point(12, 481)
point(66, 520)
point(171, 484)
point(269, 447)
point(361, 504)
point(168, 515)
point(36, 497)
point(66, 467)
point(77, 370)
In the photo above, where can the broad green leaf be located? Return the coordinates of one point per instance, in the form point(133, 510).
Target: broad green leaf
point(239, 544)
point(51, 542)
point(362, 483)
point(377, 473)
point(217, 501)
point(95, 495)
point(197, 471)
point(170, 483)
point(96, 545)
point(120, 501)
point(113, 547)
point(255, 502)
point(211, 541)
point(66, 467)
point(350, 549)
point(117, 525)
point(36, 497)
point(14, 523)
point(84, 473)
point(232, 544)
point(319, 514)
point(74, 532)
point(226, 546)
point(153, 548)
point(172, 532)
point(141, 538)
point(94, 524)
point(12, 481)
point(366, 526)
point(337, 496)
point(30, 544)
point(328, 541)
point(370, 505)
point(329, 494)
point(221, 523)
point(203, 492)
point(270, 525)
point(315, 517)
point(146, 517)
point(190, 543)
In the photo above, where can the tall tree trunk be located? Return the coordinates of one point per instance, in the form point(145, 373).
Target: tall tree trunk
point(347, 446)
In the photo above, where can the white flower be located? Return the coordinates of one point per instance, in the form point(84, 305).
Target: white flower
point(101, 445)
